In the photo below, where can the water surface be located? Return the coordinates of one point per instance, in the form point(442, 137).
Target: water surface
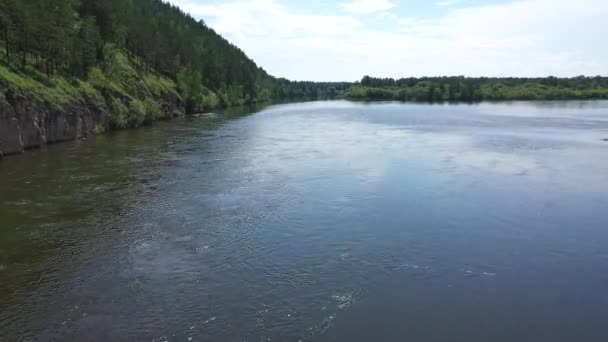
point(317, 221)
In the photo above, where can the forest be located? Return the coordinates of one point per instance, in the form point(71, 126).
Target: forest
point(470, 89)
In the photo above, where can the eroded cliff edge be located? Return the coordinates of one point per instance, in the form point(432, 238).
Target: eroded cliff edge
point(36, 110)
point(26, 122)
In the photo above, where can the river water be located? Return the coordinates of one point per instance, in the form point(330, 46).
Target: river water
point(318, 221)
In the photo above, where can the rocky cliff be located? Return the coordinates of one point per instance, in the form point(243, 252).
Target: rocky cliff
point(27, 122)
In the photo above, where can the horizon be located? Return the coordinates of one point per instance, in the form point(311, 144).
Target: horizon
point(342, 41)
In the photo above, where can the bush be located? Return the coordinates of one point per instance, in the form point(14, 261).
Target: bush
point(210, 100)
point(91, 94)
point(97, 78)
point(98, 129)
point(153, 110)
point(119, 114)
point(136, 114)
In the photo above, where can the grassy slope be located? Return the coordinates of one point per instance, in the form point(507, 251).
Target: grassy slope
point(130, 97)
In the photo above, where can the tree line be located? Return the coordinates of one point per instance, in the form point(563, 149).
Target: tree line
point(470, 89)
point(286, 89)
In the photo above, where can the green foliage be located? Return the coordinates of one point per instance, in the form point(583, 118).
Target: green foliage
point(191, 87)
point(266, 95)
point(153, 110)
point(119, 113)
point(136, 114)
point(159, 85)
point(235, 95)
point(285, 89)
point(55, 91)
point(121, 76)
point(209, 100)
point(91, 94)
point(98, 129)
point(439, 89)
point(97, 78)
point(358, 92)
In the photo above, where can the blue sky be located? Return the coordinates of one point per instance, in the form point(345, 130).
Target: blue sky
point(326, 40)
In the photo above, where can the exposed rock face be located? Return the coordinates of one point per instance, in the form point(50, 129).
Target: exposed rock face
point(10, 130)
point(26, 124)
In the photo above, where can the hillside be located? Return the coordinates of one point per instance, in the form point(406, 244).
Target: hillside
point(75, 67)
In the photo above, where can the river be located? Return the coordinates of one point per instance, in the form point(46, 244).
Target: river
point(316, 221)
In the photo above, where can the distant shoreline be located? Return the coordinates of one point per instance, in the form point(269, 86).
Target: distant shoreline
point(465, 89)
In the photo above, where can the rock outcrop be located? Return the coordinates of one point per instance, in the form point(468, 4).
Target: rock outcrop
point(26, 123)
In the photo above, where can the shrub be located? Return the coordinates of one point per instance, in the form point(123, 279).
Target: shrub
point(119, 113)
point(210, 100)
point(97, 78)
point(98, 129)
point(136, 114)
point(153, 110)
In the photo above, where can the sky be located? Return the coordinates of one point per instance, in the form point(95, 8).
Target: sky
point(343, 40)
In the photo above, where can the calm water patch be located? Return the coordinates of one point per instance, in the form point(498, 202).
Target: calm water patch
point(316, 221)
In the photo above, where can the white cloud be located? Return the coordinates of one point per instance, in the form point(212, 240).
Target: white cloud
point(520, 38)
point(447, 3)
point(266, 19)
point(367, 6)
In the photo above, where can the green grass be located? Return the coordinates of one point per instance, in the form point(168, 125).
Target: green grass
point(159, 85)
point(29, 84)
point(54, 91)
point(131, 98)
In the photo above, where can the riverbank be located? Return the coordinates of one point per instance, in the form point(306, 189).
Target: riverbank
point(37, 109)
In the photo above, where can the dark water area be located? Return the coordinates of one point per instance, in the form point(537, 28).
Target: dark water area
point(319, 221)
